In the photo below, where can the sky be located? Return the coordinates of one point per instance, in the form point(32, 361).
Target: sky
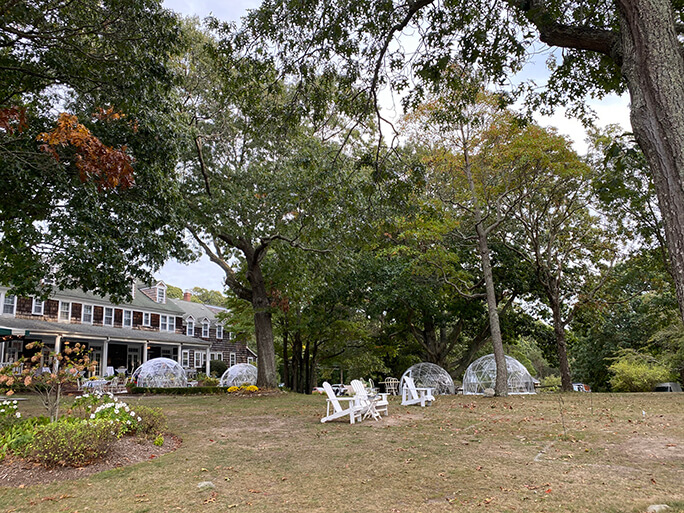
point(205, 274)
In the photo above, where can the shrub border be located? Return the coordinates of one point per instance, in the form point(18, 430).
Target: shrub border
point(178, 390)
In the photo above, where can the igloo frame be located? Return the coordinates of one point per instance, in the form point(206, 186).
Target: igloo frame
point(160, 372)
point(427, 374)
point(238, 375)
point(481, 374)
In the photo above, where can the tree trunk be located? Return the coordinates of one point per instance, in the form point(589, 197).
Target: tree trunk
point(297, 362)
point(653, 67)
point(559, 332)
point(501, 387)
point(286, 357)
point(263, 328)
point(307, 369)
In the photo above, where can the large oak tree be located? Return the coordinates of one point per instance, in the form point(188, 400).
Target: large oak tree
point(630, 45)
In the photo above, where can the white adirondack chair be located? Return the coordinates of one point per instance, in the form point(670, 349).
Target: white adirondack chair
point(353, 409)
point(410, 394)
point(373, 405)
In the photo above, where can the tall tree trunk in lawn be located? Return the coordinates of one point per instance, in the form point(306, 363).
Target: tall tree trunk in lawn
point(263, 326)
point(553, 295)
point(501, 387)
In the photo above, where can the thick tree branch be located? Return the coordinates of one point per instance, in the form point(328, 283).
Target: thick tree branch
point(566, 36)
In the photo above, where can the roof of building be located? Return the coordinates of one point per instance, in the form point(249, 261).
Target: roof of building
point(198, 311)
point(36, 327)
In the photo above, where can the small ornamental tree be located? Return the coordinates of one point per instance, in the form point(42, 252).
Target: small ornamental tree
point(27, 372)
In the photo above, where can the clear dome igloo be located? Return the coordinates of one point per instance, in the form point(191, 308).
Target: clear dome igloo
point(429, 375)
point(238, 375)
point(481, 374)
point(160, 372)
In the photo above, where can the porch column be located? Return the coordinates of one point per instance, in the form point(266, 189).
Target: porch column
point(58, 349)
point(206, 362)
point(144, 355)
point(180, 354)
point(2, 351)
point(105, 351)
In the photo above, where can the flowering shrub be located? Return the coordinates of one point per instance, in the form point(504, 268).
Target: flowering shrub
point(8, 413)
point(243, 388)
point(104, 406)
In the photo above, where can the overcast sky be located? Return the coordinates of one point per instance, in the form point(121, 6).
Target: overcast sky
point(204, 274)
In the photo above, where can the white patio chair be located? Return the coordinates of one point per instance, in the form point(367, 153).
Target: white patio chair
point(353, 409)
point(374, 404)
point(410, 394)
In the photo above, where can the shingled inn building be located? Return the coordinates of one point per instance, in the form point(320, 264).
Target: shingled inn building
point(120, 336)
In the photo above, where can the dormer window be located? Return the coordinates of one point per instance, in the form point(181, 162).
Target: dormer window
point(161, 293)
point(190, 327)
point(205, 328)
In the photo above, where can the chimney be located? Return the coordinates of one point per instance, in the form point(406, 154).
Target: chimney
point(187, 296)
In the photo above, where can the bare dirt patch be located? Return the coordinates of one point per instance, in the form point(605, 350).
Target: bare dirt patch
point(653, 448)
point(127, 451)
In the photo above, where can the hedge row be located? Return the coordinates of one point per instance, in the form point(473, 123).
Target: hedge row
point(179, 390)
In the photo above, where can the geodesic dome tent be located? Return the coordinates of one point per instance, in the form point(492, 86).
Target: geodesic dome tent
point(429, 375)
point(481, 374)
point(238, 375)
point(160, 372)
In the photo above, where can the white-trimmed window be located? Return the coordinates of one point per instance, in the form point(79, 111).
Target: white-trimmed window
point(64, 311)
point(185, 358)
point(233, 359)
point(161, 294)
point(9, 304)
point(205, 328)
point(127, 321)
point(216, 356)
point(146, 319)
point(108, 318)
point(219, 332)
point(250, 359)
point(190, 327)
point(87, 314)
point(163, 323)
point(199, 359)
point(172, 323)
point(38, 307)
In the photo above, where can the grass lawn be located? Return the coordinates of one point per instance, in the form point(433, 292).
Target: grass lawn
point(272, 454)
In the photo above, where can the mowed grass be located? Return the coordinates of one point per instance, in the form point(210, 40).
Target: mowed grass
point(271, 454)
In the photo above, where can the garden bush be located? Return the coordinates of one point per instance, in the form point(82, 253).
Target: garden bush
point(217, 368)
point(636, 372)
point(152, 421)
point(72, 442)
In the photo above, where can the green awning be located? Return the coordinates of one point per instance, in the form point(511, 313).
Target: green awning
point(17, 332)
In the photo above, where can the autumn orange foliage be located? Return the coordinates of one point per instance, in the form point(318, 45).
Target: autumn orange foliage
point(107, 166)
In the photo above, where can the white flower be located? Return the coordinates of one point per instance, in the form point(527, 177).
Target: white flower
point(139, 419)
point(14, 402)
point(92, 415)
point(18, 415)
point(128, 422)
point(116, 411)
point(2, 410)
point(132, 414)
